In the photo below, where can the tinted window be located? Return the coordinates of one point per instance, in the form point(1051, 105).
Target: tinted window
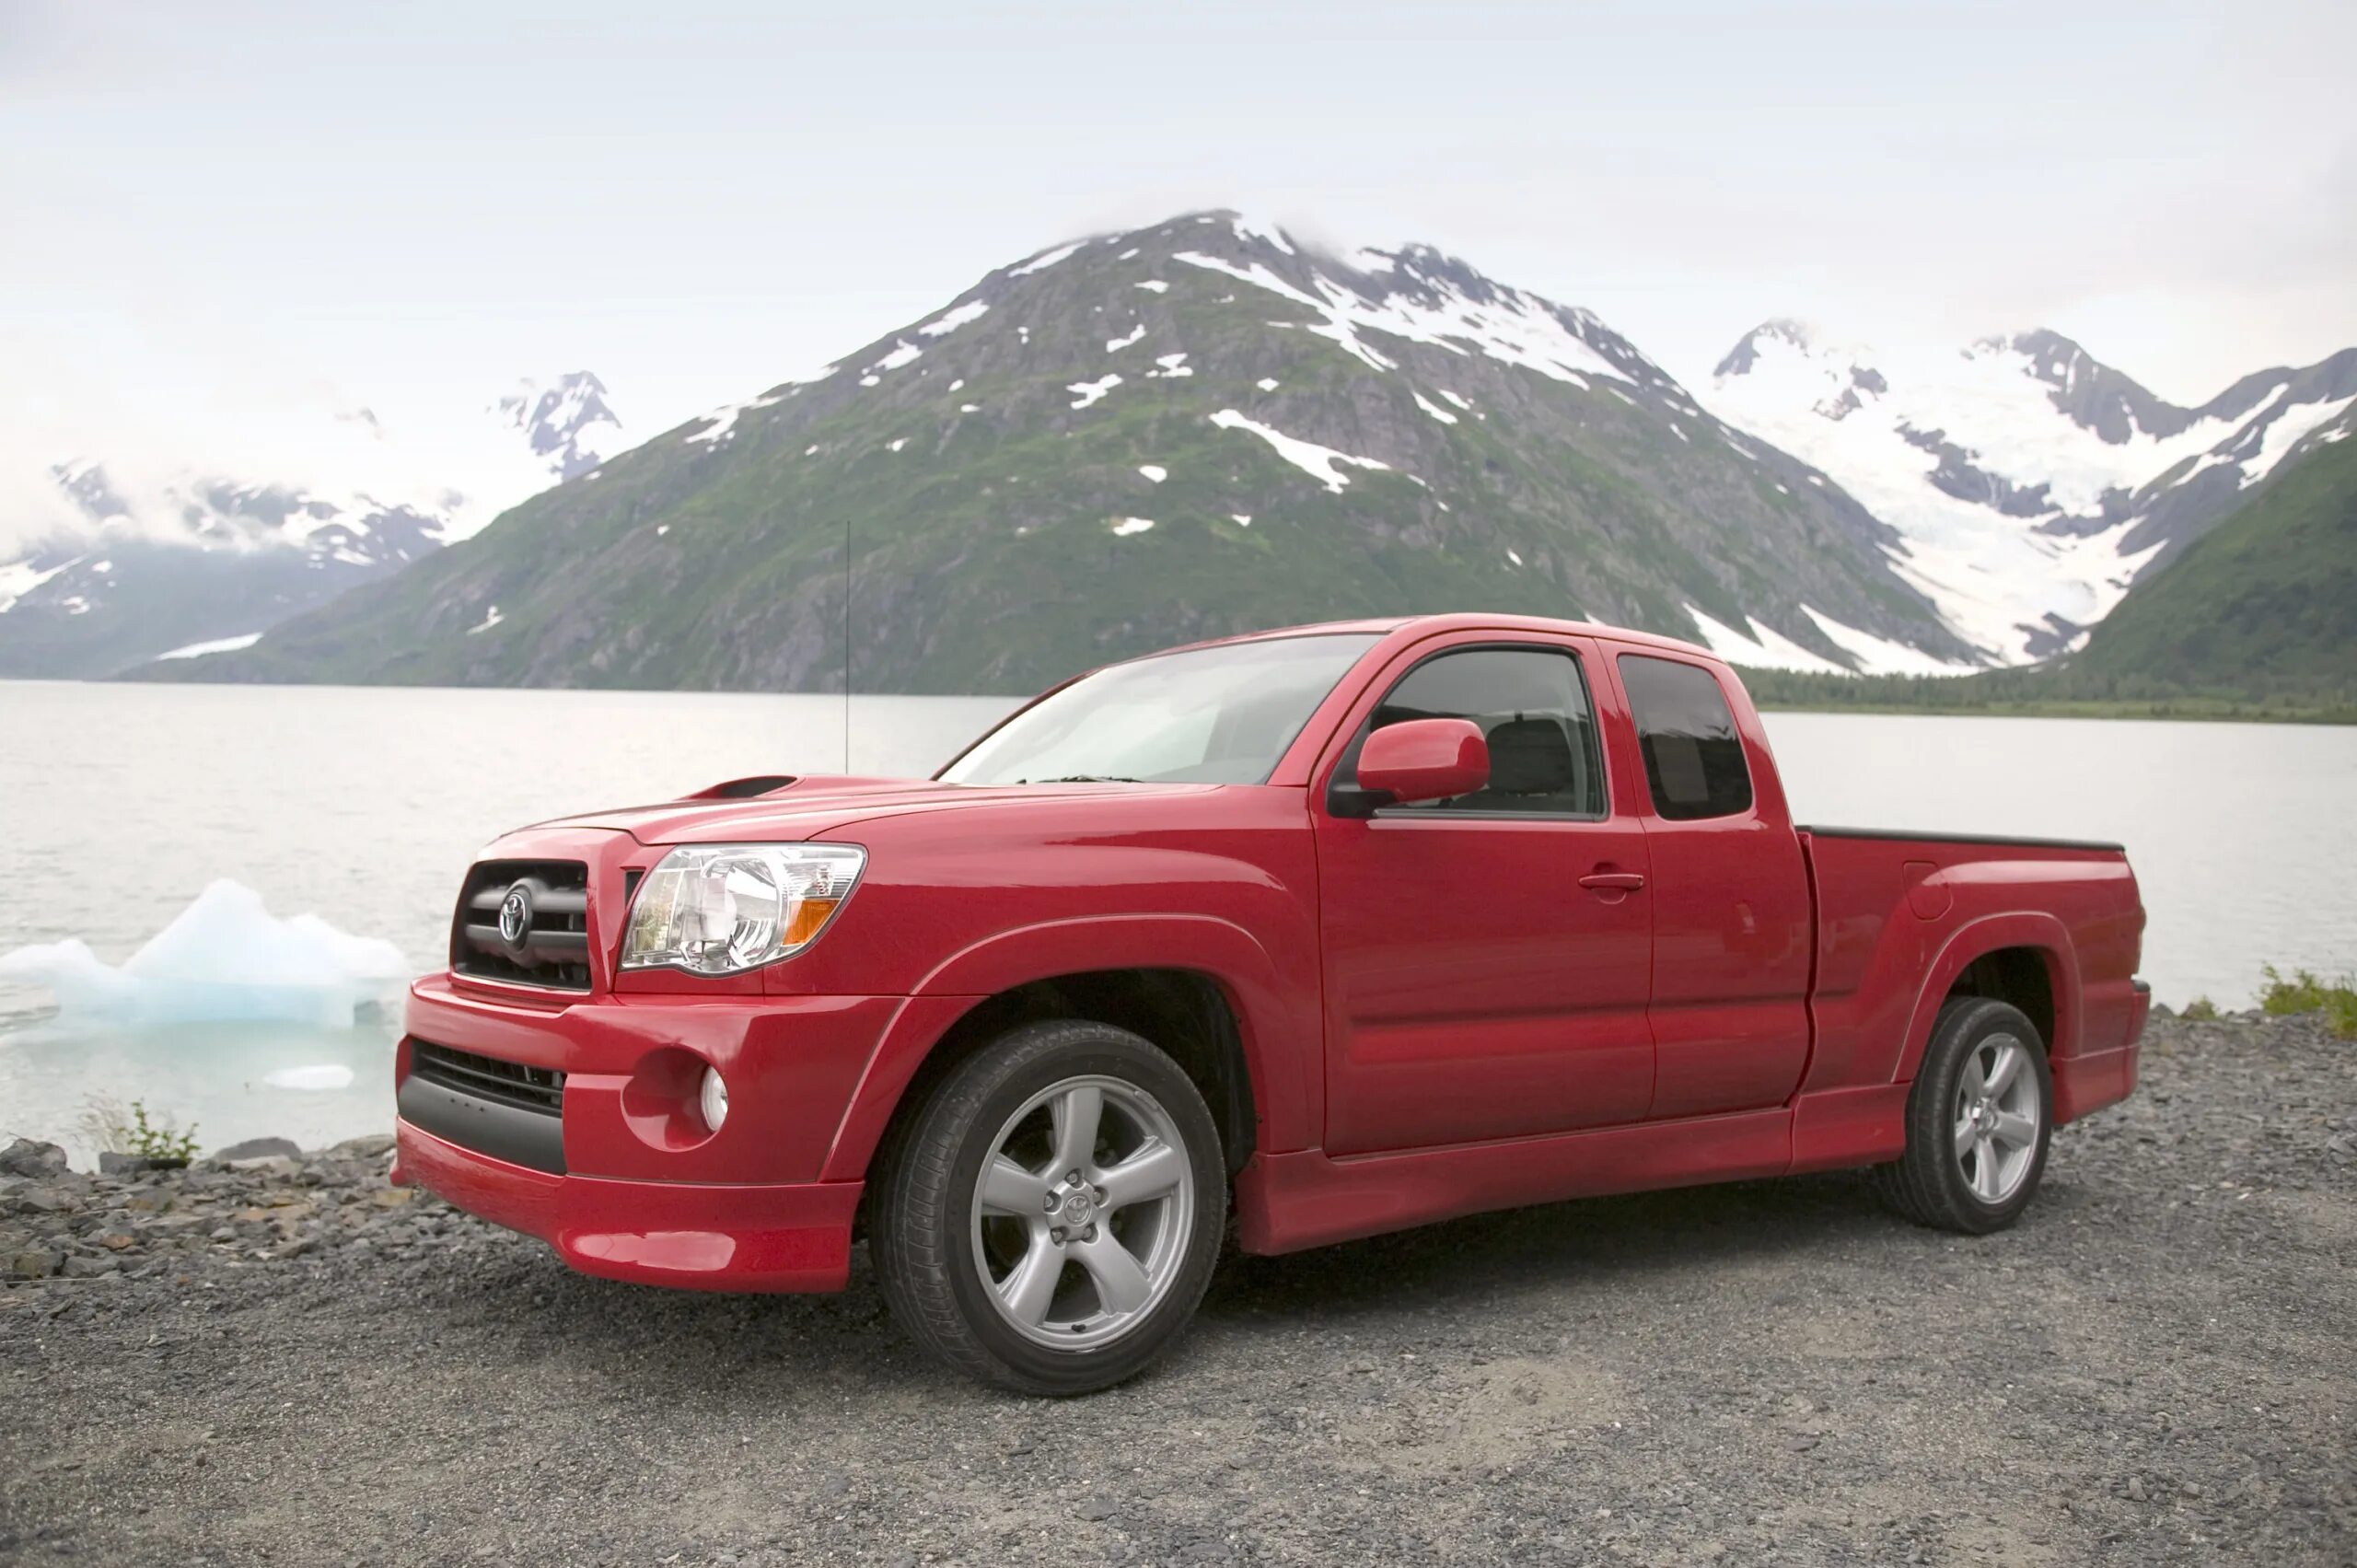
point(1694, 757)
point(1533, 709)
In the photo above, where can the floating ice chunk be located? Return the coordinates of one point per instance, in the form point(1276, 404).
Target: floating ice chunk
point(321, 1076)
point(223, 958)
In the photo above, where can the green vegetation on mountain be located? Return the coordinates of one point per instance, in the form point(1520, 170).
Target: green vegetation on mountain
point(1008, 515)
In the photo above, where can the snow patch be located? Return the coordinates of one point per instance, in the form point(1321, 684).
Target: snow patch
point(490, 619)
point(1434, 409)
point(218, 645)
point(724, 420)
point(1088, 392)
point(1153, 285)
point(895, 444)
point(1173, 364)
point(1045, 260)
point(1153, 471)
point(1124, 527)
point(1115, 345)
point(1760, 647)
point(2285, 432)
point(1322, 463)
point(950, 321)
point(1267, 383)
point(903, 352)
point(1510, 326)
point(1879, 655)
point(222, 958)
point(1243, 519)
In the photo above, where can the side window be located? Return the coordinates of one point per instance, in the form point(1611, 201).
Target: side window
point(1694, 757)
point(1533, 709)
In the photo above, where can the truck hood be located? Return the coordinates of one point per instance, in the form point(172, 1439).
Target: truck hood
point(815, 807)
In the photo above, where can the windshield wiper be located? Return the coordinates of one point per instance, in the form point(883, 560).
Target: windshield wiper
point(1084, 778)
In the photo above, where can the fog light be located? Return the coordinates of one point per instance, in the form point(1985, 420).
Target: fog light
point(713, 1098)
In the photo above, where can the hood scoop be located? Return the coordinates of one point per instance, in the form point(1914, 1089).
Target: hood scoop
point(744, 788)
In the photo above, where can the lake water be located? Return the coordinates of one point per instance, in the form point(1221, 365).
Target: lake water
point(119, 804)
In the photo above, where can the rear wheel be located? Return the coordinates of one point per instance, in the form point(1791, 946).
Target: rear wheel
point(1050, 1219)
point(1979, 1118)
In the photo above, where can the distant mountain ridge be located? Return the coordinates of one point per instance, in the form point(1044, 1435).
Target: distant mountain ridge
point(2030, 484)
point(1194, 428)
point(199, 559)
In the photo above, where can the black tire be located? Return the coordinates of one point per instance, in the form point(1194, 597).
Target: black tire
point(1929, 1184)
point(922, 1234)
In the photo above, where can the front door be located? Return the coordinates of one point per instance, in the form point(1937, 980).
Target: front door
point(1488, 958)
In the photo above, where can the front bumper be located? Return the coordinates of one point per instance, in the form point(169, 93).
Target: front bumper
point(690, 1235)
point(637, 1187)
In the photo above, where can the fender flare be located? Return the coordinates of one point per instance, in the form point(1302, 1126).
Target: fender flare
point(1281, 1059)
point(2026, 928)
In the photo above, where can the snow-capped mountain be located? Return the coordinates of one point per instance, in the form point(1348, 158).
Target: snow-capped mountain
point(160, 558)
point(1201, 426)
point(2030, 484)
point(566, 421)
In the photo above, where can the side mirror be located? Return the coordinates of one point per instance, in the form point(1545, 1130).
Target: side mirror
point(1424, 760)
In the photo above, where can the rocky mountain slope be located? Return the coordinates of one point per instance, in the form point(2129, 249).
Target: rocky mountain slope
point(1132, 440)
point(2031, 484)
point(191, 563)
point(2266, 599)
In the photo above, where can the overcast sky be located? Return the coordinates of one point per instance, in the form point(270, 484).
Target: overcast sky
point(419, 202)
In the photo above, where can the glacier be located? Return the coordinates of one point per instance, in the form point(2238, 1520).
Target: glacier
point(223, 959)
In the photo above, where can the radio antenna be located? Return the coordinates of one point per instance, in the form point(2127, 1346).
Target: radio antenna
point(846, 643)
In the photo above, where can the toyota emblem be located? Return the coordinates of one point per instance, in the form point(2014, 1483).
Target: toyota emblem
point(516, 915)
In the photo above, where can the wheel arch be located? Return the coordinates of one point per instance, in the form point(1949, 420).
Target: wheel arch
point(2024, 959)
point(1201, 989)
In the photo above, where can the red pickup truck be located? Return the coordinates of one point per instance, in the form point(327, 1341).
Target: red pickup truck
point(1326, 932)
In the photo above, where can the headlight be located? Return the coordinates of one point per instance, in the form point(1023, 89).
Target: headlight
point(723, 908)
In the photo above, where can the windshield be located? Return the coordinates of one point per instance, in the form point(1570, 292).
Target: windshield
point(1212, 716)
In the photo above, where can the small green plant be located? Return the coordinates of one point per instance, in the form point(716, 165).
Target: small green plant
point(2201, 1010)
point(2304, 993)
point(159, 1140)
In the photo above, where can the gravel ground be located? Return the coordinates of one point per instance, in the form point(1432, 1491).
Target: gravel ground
point(293, 1363)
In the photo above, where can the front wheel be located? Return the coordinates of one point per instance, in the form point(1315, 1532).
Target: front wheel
point(1978, 1122)
point(1050, 1219)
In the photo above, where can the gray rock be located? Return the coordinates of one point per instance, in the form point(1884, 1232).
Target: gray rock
point(25, 1157)
point(33, 1264)
point(376, 1146)
point(257, 1148)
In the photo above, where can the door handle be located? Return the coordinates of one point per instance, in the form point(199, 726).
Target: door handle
point(1612, 881)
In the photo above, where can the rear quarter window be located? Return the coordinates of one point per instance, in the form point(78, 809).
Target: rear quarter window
point(1694, 762)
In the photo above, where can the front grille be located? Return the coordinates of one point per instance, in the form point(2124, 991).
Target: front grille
point(552, 947)
point(486, 1078)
